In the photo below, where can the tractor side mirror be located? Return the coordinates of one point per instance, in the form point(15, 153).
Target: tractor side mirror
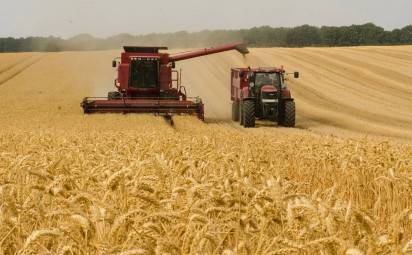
point(173, 65)
point(296, 75)
point(114, 63)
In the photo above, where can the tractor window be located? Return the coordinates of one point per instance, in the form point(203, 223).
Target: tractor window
point(262, 79)
point(144, 73)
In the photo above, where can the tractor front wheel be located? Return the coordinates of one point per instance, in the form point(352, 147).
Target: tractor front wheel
point(289, 114)
point(248, 114)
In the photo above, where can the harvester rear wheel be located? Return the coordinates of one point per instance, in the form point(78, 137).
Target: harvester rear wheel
point(290, 113)
point(248, 114)
point(235, 111)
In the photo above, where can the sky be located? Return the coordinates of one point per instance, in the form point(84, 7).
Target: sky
point(102, 18)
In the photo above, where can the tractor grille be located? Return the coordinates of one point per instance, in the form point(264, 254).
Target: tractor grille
point(269, 97)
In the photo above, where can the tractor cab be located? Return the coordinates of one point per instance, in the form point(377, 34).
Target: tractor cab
point(260, 80)
point(265, 85)
point(263, 78)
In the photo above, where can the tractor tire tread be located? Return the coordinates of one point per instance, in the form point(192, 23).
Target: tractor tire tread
point(249, 114)
point(290, 114)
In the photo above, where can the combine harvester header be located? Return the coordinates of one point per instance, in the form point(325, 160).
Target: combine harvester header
point(148, 83)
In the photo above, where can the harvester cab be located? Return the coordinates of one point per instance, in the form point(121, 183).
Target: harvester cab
point(262, 93)
point(148, 83)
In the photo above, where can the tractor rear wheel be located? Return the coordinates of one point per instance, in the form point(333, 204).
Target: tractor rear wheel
point(289, 115)
point(235, 111)
point(248, 114)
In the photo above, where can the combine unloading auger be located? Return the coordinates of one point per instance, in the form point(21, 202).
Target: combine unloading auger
point(148, 83)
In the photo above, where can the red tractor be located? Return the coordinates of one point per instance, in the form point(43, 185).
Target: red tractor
point(148, 83)
point(261, 93)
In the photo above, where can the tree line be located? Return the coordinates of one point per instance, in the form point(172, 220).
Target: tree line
point(265, 36)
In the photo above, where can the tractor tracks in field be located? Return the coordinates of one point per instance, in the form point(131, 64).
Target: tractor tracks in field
point(7, 68)
point(16, 69)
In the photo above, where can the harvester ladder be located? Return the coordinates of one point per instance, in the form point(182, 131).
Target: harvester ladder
point(177, 79)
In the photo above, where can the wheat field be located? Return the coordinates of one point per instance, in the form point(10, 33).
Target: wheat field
point(340, 183)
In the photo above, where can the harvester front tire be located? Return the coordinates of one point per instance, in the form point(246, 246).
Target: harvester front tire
point(248, 114)
point(290, 114)
point(235, 111)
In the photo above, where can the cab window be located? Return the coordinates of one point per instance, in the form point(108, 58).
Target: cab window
point(144, 73)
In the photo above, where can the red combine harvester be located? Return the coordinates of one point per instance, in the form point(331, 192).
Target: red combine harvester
point(148, 83)
point(261, 93)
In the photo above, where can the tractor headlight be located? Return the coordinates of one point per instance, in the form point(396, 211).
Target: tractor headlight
point(252, 84)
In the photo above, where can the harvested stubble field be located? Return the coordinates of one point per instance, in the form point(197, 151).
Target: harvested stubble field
point(131, 184)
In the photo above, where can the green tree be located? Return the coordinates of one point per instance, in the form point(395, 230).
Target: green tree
point(304, 36)
point(406, 35)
